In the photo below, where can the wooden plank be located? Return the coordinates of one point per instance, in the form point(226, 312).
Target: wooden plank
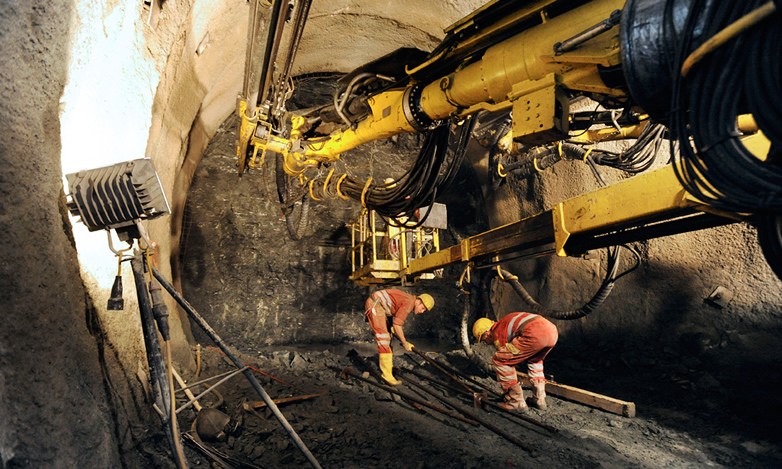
point(591, 399)
point(283, 400)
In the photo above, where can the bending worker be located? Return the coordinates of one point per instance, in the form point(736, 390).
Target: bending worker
point(392, 304)
point(519, 337)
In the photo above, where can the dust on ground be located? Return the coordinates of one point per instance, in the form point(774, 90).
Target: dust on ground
point(684, 419)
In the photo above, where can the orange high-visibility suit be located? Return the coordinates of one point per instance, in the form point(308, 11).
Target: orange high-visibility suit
point(522, 337)
point(384, 304)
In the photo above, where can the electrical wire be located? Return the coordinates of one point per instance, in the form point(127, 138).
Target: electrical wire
point(432, 173)
point(636, 159)
point(713, 165)
point(640, 156)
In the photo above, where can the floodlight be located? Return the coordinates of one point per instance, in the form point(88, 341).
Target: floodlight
point(116, 197)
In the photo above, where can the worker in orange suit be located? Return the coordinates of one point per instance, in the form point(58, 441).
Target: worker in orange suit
point(519, 337)
point(395, 305)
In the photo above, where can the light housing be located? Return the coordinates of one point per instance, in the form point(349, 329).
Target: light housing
point(115, 197)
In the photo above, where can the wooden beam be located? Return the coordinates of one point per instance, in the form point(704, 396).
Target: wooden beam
point(283, 400)
point(591, 399)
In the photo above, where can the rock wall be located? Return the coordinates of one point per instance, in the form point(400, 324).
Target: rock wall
point(56, 408)
point(258, 287)
point(660, 303)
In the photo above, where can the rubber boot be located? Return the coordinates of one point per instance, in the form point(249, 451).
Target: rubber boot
point(514, 399)
point(386, 366)
point(538, 399)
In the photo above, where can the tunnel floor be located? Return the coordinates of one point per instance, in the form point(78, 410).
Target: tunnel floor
point(682, 421)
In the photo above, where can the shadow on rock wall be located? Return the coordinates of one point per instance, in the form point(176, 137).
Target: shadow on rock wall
point(257, 287)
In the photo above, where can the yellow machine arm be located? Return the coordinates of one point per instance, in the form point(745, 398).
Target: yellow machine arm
point(533, 84)
point(530, 60)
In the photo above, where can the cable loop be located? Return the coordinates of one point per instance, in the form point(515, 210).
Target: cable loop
point(364, 193)
point(339, 192)
point(311, 194)
point(325, 184)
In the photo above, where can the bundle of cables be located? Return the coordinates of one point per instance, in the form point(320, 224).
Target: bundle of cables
point(433, 171)
point(741, 76)
point(638, 158)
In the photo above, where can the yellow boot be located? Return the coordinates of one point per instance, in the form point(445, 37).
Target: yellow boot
point(386, 365)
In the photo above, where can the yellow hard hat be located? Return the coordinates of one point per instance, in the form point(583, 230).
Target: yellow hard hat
point(480, 327)
point(427, 300)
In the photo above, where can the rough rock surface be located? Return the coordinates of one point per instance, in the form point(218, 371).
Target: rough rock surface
point(679, 423)
point(242, 271)
point(55, 405)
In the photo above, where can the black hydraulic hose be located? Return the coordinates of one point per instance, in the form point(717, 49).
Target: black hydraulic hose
point(304, 218)
point(602, 293)
point(296, 229)
point(287, 202)
point(486, 297)
point(238, 363)
point(282, 184)
point(151, 343)
point(589, 307)
point(465, 332)
point(158, 375)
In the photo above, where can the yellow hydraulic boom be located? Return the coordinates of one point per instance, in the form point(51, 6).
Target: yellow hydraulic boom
point(530, 60)
point(532, 82)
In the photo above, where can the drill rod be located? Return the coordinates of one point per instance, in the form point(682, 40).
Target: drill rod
point(353, 355)
point(443, 369)
point(348, 373)
point(491, 404)
point(451, 371)
point(478, 418)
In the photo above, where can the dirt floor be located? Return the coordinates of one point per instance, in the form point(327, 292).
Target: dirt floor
point(684, 418)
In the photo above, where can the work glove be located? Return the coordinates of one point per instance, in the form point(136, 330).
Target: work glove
point(409, 347)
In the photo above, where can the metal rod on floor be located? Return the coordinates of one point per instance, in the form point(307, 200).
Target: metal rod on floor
point(206, 380)
point(238, 363)
point(348, 373)
point(451, 371)
point(491, 404)
point(209, 389)
point(478, 419)
point(353, 355)
point(443, 369)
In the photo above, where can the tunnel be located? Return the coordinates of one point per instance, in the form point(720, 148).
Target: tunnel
point(666, 304)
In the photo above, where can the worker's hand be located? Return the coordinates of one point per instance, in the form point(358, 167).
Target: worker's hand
point(408, 346)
